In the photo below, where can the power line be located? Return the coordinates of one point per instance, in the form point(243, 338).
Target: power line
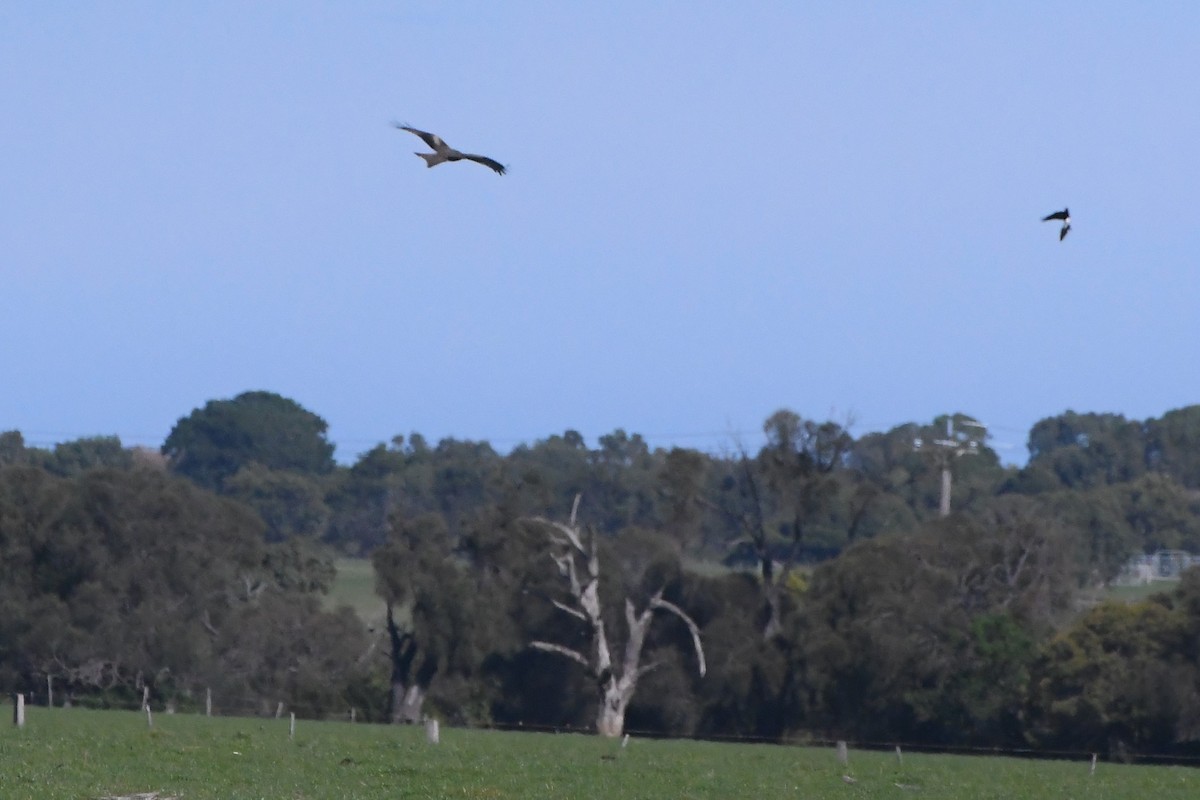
point(719, 440)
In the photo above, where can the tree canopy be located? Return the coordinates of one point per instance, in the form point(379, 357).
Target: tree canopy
point(116, 579)
point(213, 443)
point(817, 579)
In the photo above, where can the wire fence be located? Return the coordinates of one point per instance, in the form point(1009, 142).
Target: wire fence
point(254, 708)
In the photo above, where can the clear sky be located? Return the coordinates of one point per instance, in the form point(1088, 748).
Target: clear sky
point(713, 210)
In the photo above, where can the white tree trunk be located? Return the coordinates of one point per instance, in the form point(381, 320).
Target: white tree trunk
point(616, 684)
point(610, 722)
point(407, 702)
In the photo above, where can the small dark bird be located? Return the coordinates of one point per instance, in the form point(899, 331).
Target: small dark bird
point(443, 152)
point(1065, 216)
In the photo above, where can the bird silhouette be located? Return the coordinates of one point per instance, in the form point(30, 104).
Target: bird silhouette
point(1065, 216)
point(443, 152)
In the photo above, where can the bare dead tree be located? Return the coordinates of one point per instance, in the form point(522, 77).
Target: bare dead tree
point(576, 555)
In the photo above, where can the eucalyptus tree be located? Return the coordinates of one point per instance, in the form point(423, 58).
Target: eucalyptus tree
point(452, 605)
point(414, 569)
point(789, 492)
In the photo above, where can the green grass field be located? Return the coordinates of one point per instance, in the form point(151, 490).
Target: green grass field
point(76, 754)
point(1136, 594)
point(354, 586)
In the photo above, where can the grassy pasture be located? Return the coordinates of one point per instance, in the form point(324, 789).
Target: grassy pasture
point(76, 754)
point(354, 586)
point(1136, 594)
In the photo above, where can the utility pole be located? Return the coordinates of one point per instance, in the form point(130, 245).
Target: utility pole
point(944, 505)
point(954, 445)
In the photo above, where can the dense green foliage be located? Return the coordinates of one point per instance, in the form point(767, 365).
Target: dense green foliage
point(64, 755)
point(1124, 677)
point(115, 580)
point(212, 443)
point(830, 595)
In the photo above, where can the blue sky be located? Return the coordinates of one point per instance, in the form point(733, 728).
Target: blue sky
point(713, 211)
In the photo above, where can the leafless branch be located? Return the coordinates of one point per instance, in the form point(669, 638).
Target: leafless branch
point(574, 612)
point(666, 605)
point(550, 647)
point(566, 567)
point(575, 507)
point(571, 532)
point(653, 665)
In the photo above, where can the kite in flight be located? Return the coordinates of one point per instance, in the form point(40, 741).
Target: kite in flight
point(443, 152)
point(1065, 216)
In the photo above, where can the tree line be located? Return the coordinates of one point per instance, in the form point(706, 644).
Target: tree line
point(812, 587)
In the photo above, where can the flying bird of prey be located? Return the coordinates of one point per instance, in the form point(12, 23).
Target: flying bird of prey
point(1065, 216)
point(443, 152)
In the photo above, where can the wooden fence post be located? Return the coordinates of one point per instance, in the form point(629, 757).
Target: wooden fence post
point(843, 753)
point(49, 691)
point(353, 714)
point(292, 727)
point(19, 710)
point(431, 731)
point(208, 702)
point(279, 710)
point(149, 717)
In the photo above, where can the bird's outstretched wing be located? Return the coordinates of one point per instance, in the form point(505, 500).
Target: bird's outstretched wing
point(1055, 215)
point(431, 139)
point(487, 162)
point(1063, 233)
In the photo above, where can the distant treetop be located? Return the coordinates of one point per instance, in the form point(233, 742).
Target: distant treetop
point(212, 443)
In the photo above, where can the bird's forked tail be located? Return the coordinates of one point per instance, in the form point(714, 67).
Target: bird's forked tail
point(432, 159)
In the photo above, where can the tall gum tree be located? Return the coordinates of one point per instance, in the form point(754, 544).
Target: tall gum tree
point(777, 496)
point(576, 556)
point(412, 570)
